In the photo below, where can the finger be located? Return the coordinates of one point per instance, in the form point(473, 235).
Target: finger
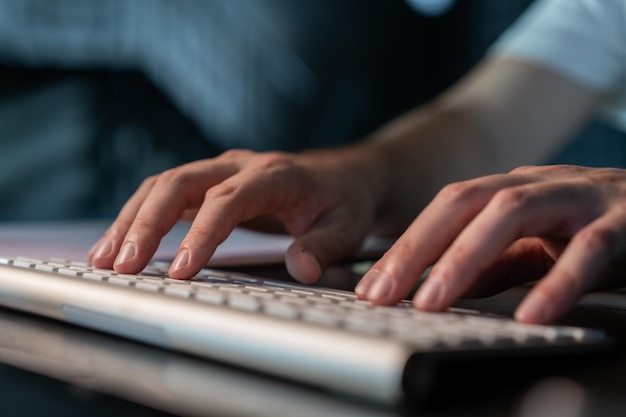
point(173, 193)
point(248, 194)
point(524, 261)
point(395, 274)
point(334, 237)
point(514, 212)
point(189, 214)
point(103, 252)
point(580, 269)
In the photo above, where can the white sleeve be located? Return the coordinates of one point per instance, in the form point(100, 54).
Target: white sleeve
point(584, 40)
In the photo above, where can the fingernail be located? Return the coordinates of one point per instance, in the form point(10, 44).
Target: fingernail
point(365, 284)
point(181, 260)
point(102, 249)
point(429, 295)
point(381, 288)
point(534, 309)
point(304, 266)
point(126, 253)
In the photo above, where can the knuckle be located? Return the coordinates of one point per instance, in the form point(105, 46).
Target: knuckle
point(234, 158)
point(605, 176)
point(551, 168)
point(199, 233)
point(145, 226)
point(511, 199)
point(274, 160)
point(149, 181)
point(235, 154)
point(222, 190)
point(460, 255)
point(544, 169)
point(203, 236)
point(459, 191)
point(524, 169)
point(142, 222)
point(174, 178)
point(442, 273)
point(597, 239)
point(405, 247)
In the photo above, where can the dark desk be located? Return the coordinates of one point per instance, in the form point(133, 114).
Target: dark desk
point(51, 368)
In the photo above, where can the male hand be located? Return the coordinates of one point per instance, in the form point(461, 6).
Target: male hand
point(324, 200)
point(562, 225)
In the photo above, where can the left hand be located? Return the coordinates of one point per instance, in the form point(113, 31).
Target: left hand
point(327, 200)
point(562, 225)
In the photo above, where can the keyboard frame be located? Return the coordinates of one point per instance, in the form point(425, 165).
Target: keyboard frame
point(360, 364)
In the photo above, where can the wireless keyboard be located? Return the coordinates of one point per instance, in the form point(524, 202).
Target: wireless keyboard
point(251, 321)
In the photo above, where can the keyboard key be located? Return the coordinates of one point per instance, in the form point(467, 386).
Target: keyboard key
point(455, 329)
point(148, 286)
point(281, 309)
point(241, 302)
point(120, 281)
point(208, 296)
point(182, 291)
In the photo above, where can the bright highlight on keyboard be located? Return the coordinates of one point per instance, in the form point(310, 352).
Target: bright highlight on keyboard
point(322, 337)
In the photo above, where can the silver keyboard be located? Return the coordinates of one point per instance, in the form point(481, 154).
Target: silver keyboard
point(451, 330)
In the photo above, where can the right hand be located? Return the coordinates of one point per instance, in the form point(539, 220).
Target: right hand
point(326, 201)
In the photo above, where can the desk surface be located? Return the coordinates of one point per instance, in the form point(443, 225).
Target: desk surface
point(65, 370)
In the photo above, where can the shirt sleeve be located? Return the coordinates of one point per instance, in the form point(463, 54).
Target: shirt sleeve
point(584, 40)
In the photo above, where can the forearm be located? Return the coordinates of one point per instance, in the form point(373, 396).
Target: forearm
point(504, 114)
point(423, 151)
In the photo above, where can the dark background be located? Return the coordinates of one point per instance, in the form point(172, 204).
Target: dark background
point(78, 135)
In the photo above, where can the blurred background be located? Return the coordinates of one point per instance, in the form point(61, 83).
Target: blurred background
point(96, 95)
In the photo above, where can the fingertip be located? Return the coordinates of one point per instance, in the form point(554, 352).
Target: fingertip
point(304, 266)
point(379, 288)
point(102, 253)
point(128, 260)
point(430, 296)
point(364, 284)
point(534, 309)
point(181, 267)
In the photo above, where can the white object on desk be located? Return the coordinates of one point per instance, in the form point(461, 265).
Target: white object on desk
point(72, 240)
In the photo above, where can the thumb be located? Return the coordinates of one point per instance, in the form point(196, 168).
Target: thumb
point(313, 251)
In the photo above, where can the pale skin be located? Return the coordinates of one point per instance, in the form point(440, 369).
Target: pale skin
point(441, 178)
